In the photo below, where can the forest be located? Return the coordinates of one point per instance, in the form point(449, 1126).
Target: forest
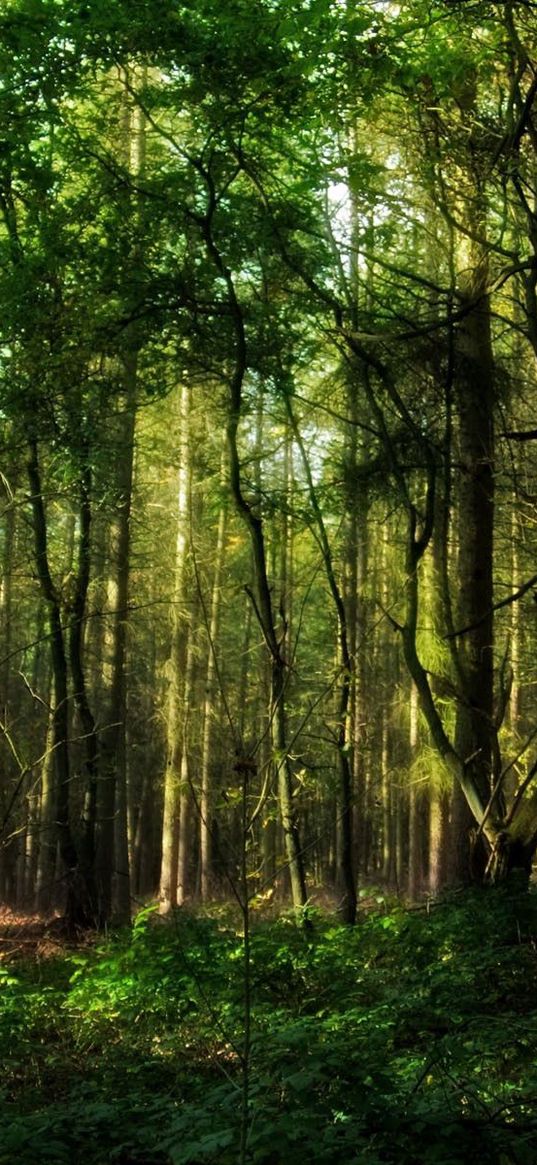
point(268, 589)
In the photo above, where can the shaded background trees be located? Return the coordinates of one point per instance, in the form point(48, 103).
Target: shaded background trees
point(318, 242)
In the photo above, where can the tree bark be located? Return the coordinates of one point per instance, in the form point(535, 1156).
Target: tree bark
point(263, 598)
point(79, 904)
point(415, 842)
point(209, 713)
point(188, 804)
point(474, 400)
point(6, 597)
point(347, 878)
point(80, 693)
point(177, 668)
point(112, 854)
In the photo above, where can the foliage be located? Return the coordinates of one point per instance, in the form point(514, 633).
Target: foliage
point(410, 1037)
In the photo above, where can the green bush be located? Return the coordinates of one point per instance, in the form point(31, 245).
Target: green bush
point(408, 1038)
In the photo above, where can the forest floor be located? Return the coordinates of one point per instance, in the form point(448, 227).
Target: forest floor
point(28, 935)
point(409, 1040)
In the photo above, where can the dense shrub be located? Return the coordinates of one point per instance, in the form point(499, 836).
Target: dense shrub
point(409, 1038)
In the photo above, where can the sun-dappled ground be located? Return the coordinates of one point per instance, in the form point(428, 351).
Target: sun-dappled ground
point(25, 934)
point(410, 1038)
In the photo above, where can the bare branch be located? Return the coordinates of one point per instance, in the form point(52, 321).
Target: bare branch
point(518, 594)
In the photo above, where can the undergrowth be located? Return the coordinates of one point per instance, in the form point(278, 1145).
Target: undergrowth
point(411, 1038)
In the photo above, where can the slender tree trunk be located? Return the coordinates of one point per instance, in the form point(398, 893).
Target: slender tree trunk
point(515, 701)
point(6, 596)
point(438, 841)
point(80, 693)
point(31, 848)
point(112, 841)
point(264, 610)
point(346, 873)
point(357, 505)
point(474, 404)
point(438, 600)
point(209, 713)
point(188, 808)
point(145, 813)
point(361, 710)
point(387, 797)
point(118, 695)
point(79, 910)
point(177, 667)
point(46, 861)
point(113, 858)
point(415, 870)
point(263, 596)
point(6, 605)
point(295, 864)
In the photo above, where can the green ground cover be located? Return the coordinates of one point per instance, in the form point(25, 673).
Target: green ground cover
point(411, 1038)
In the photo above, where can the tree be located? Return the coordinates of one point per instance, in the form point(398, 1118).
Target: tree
point(323, 235)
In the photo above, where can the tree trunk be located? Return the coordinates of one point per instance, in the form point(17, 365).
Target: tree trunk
point(346, 875)
point(263, 597)
point(438, 840)
point(80, 693)
point(79, 905)
point(113, 875)
point(474, 402)
point(188, 804)
point(415, 865)
point(46, 862)
point(177, 667)
point(209, 714)
point(6, 597)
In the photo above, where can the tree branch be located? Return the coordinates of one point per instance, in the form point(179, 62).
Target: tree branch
point(496, 607)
